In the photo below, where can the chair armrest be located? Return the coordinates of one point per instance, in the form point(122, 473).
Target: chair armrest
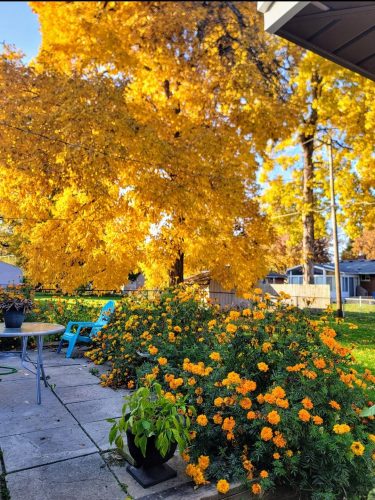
point(80, 325)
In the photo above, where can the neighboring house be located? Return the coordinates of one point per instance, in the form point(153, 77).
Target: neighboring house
point(275, 278)
point(9, 274)
point(357, 277)
point(137, 283)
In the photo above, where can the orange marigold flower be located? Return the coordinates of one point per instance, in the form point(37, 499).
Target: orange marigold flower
point(246, 386)
point(304, 415)
point(175, 383)
point(278, 392)
point(203, 462)
point(258, 315)
point(215, 356)
point(279, 440)
point(202, 420)
point(335, 405)
point(228, 424)
point(263, 474)
point(289, 453)
point(192, 381)
point(256, 489)
point(273, 417)
point(319, 363)
point(357, 448)
point(234, 315)
point(218, 401)
point(245, 403)
point(296, 368)
point(307, 403)
point(222, 486)
point(266, 346)
point(282, 403)
point(217, 418)
point(263, 367)
point(341, 428)
point(269, 398)
point(231, 328)
point(276, 456)
point(246, 312)
point(317, 420)
point(309, 374)
point(258, 291)
point(162, 361)
point(251, 415)
point(266, 433)
point(153, 350)
point(260, 398)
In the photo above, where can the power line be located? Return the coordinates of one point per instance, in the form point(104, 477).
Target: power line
point(290, 214)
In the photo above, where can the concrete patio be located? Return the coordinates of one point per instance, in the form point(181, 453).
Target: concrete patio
point(59, 450)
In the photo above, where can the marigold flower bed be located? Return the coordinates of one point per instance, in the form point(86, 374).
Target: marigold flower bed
point(277, 399)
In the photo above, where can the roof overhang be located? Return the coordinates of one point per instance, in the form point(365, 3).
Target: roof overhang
point(343, 32)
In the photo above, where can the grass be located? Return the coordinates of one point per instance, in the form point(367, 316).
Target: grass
point(363, 339)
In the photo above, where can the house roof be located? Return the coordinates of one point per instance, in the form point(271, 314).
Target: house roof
point(340, 31)
point(360, 266)
point(273, 274)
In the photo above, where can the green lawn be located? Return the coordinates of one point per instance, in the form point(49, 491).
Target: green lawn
point(362, 339)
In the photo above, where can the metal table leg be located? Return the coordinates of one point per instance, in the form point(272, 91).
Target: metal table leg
point(24, 349)
point(39, 369)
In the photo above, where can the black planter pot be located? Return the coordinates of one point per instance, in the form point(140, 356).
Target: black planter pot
point(14, 318)
point(151, 469)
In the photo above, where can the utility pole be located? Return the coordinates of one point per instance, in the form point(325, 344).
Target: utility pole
point(334, 231)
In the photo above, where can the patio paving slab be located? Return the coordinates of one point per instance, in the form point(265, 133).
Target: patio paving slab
point(70, 376)
point(136, 491)
point(98, 432)
point(82, 393)
point(20, 412)
point(99, 409)
point(83, 478)
point(31, 449)
point(51, 358)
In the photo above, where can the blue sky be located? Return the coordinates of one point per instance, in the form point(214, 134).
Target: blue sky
point(19, 26)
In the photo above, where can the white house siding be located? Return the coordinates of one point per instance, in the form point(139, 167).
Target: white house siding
point(10, 275)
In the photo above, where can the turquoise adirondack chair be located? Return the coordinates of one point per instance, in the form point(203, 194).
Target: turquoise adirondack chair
point(73, 330)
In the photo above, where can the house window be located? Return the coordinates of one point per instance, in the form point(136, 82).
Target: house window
point(295, 280)
point(364, 277)
point(319, 280)
point(345, 284)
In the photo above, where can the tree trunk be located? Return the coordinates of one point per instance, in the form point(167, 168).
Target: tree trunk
point(176, 274)
point(307, 142)
point(308, 214)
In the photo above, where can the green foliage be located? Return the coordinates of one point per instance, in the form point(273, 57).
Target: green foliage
point(274, 391)
point(63, 310)
point(148, 412)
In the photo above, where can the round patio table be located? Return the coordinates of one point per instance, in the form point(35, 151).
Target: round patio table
point(38, 330)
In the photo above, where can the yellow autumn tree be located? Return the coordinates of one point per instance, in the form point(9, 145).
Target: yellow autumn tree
point(137, 131)
point(330, 102)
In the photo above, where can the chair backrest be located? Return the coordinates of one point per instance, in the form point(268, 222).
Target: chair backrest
point(106, 312)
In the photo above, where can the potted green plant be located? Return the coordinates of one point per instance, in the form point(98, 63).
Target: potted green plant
point(154, 425)
point(14, 305)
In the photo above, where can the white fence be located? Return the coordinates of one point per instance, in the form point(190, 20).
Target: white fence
point(361, 301)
